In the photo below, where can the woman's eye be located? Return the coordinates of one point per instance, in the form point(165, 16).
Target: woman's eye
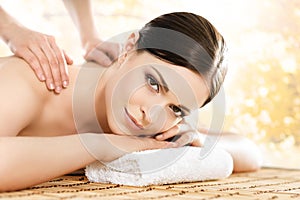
point(177, 111)
point(152, 82)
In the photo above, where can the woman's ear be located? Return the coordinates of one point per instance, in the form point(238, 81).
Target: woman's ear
point(131, 41)
point(129, 46)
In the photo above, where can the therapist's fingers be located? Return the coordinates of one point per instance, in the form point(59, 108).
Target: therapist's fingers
point(43, 55)
point(44, 65)
point(68, 59)
point(98, 56)
point(104, 53)
point(50, 60)
point(61, 77)
point(54, 66)
point(112, 49)
point(32, 60)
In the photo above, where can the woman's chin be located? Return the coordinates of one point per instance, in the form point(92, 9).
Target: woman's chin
point(115, 129)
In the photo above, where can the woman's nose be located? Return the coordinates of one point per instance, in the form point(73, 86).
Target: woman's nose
point(156, 113)
point(146, 119)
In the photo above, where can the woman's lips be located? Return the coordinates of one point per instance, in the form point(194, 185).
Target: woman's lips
point(133, 120)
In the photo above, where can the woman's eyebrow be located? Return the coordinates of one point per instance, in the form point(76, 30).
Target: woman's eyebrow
point(164, 84)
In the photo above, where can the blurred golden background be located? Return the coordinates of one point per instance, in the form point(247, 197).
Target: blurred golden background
point(262, 87)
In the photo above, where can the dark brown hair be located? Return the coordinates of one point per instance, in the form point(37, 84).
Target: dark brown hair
point(187, 40)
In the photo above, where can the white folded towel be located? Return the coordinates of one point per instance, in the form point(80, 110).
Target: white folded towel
point(164, 166)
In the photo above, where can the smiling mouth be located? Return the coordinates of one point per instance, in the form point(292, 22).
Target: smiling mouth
point(133, 120)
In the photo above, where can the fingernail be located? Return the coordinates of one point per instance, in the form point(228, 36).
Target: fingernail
point(107, 63)
point(58, 89)
point(42, 77)
point(65, 83)
point(51, 86)
point(128, 48)
point(159, 137)
point(171, 145)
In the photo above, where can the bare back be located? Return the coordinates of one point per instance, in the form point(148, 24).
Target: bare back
point(27, 108)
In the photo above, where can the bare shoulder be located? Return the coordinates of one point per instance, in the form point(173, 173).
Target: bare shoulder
point(15, 65)
point(21, 95)
point(16, 71)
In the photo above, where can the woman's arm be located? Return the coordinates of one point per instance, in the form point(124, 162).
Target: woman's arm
point(26, 161)
point(245, 153)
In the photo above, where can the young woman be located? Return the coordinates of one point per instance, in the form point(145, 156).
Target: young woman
point(173, 65)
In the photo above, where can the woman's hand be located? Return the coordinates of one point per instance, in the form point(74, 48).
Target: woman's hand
point(186, 135)
point(101, 52)
point(41, 52)
point(108, 147)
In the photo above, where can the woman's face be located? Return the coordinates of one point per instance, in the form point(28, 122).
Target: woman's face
point(147, 96)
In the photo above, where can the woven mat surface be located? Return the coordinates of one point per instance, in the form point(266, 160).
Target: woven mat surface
point(267, 183)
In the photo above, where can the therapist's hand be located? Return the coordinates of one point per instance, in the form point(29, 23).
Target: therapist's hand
point(101, 52)
point(43, 55)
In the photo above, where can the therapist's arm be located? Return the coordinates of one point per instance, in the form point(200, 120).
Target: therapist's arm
point(97, 50)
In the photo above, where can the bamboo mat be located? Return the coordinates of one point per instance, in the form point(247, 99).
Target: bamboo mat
point(267, 183)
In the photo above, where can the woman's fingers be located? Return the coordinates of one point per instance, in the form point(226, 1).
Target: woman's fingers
point(141, 144)
point(149, 143)
point(169, 133)
point(192, 138)
point(175, 130)
point(203, 129)
point(120, 145)
point(184, 140)
point(187, 135)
